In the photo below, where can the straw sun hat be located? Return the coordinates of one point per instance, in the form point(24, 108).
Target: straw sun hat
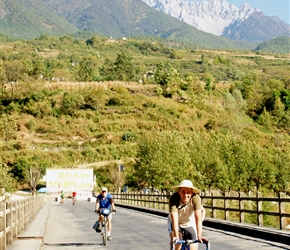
point(185, 183)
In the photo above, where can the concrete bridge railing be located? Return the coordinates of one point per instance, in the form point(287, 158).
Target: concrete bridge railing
point(15, 215)
point(237, 207)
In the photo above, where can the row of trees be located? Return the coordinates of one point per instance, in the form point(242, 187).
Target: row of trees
point(212, 160)
point(85, 69)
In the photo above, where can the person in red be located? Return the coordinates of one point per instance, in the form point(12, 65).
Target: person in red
point(74, 194)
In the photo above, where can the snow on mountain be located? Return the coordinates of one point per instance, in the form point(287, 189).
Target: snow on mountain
point(211, 16)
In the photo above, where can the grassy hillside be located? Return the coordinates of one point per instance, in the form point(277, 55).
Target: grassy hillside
point(280, 45)
point(29, 19)
point(219, 114)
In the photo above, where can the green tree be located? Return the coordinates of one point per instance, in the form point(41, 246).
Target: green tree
point(281, 159)
point(28, 170)
point(211, 171)
point(32, 176)
point(67, 40)
point(261, 171)
point(265, 119)
point(19, 168)
point(71, 103)
point(116, 176)
point(8, 128)
point(87, 70)
point(3, 79)
point(7, 182)
point(278, 111)
point(95, 41)
point(168, 79)
point(163, 159)
point(285, 98)
point(13, 70)
point(124, 68)
point(107, 70)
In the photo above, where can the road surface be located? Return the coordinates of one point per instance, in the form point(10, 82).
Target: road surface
point(70, 228)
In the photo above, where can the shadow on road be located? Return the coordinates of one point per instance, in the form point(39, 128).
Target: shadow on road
point(72, 244)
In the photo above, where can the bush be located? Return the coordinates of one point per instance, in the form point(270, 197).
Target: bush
point(129, 136)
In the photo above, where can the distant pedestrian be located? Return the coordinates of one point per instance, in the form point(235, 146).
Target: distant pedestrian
point(74, 198)
point(61, 197)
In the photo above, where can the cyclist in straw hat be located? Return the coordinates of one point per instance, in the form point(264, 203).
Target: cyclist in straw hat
point(185, 214)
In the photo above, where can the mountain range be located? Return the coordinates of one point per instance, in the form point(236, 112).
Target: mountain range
point(28, 19)
point(221, 18)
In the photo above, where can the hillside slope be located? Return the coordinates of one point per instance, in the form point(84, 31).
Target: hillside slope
point(279, 45)
point(28, 19)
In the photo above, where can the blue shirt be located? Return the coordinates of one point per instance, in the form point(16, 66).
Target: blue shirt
point(105, 202)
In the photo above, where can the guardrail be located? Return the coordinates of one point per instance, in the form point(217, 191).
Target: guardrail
point(15, 215)
point(240, 208)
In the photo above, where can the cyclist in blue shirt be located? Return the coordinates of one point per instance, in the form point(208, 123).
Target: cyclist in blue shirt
point(105, 200)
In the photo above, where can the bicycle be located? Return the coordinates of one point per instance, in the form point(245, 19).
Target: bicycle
point(186, 243)
point(104, 224)
point(74, 200)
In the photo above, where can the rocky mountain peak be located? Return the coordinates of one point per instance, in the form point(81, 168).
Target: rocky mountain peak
point(211, 16)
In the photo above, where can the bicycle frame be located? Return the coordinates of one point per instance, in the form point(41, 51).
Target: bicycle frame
point(104, 224)
point(186, 244)
point(104, 230)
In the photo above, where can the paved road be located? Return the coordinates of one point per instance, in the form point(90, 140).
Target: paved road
point(70, 228)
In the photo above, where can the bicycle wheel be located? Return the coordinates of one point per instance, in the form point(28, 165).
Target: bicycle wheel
point(105, 232)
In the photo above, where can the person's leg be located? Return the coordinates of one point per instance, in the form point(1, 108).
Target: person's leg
point(100, 219)
point(190, 234)
point(109, 226)
point(194, 246)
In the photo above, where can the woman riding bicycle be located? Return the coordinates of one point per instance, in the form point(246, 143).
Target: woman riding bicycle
point(105, 200)
point(185, 214)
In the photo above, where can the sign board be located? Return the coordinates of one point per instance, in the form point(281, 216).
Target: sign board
point(69, 180)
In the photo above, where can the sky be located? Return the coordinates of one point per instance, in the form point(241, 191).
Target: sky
point(280, 8)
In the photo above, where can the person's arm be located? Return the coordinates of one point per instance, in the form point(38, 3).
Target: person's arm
point(198, 220)
point(198, 216)
point(112, 203)
point(203, 213)
point(174, 224)
point(113, 207)
point(97, 205)
point(173, 213)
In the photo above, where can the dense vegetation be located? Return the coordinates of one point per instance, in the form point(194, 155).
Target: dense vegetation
point(168, 111)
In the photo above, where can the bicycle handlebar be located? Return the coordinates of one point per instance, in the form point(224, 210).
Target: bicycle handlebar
point(188, 242)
